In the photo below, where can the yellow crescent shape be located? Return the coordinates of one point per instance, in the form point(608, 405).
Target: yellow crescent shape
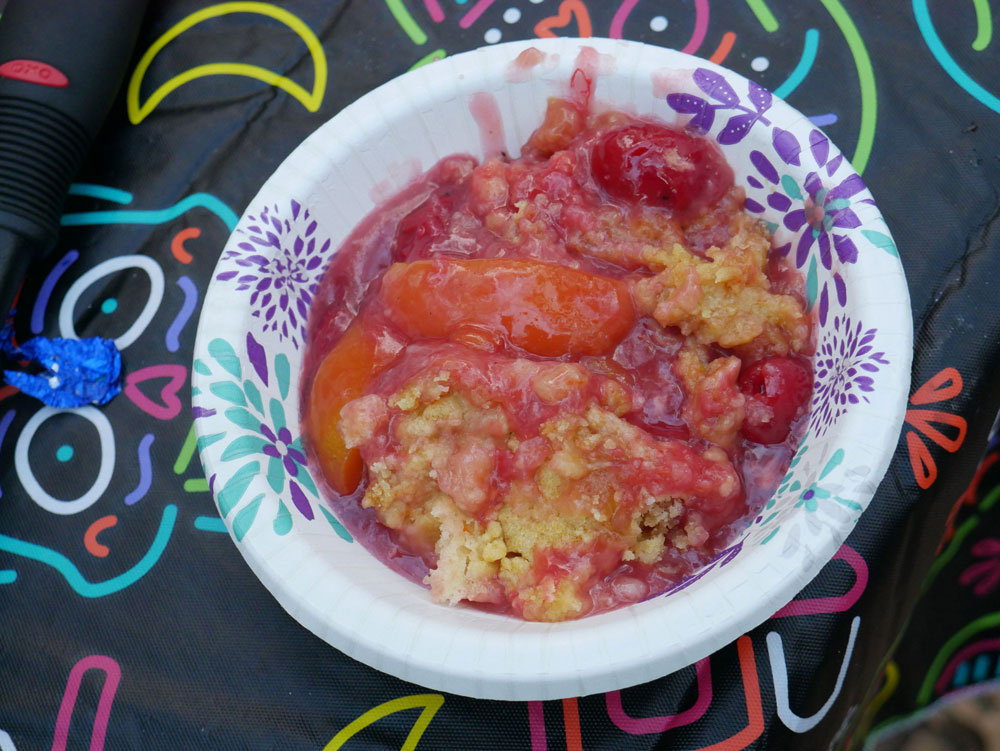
point(310, 100)
point(431, 703)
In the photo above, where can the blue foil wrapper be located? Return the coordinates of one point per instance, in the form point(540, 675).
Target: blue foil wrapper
point(65, 373)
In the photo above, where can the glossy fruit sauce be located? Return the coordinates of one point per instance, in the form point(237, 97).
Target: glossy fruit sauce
point(576, 282)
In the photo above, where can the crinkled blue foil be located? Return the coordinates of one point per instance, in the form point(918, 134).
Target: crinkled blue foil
point(73, 372)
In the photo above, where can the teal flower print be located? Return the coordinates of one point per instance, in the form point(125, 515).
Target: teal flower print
point(265, 438)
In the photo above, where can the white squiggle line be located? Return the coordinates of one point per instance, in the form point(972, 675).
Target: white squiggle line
point(6, 742)
point(104, 472)
point(779, 674)
point(156, 285)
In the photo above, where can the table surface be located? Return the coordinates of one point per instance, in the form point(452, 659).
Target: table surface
point(135, 623)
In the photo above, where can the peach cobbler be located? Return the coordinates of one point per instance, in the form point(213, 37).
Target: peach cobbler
point(556, 384)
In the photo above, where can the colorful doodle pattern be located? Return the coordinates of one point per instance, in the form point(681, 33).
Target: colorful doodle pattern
point(147, 425)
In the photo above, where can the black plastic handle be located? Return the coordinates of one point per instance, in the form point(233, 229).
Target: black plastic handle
point(61, 65)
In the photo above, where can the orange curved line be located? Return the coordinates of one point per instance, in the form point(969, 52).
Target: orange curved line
point(724, 48)
point(969, 498)
point(177, 244)
point(583, 18)
point(90, 536)
point(751, 689)
point(568, 10)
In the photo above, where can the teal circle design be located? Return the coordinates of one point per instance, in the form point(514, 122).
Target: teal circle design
point(109, 306)
point(64, 453)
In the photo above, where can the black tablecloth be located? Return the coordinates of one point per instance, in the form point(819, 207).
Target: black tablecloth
point(134, 623)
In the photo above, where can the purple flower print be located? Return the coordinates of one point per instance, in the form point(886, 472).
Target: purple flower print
point(280, 446)
point(722, 558)
point(811, 496)
point(820, 210)
point(717, 88)
point(262, 439)
point(281, 261)
point(845, 364)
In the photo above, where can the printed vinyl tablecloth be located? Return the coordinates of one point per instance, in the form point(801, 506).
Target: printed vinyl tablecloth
point(129, 620)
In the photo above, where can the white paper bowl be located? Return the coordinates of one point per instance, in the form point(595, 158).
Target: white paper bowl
point(250, 344)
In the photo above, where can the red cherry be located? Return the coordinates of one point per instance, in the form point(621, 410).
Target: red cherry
point(776, 390)
point(421, 227)
point(660, 166)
